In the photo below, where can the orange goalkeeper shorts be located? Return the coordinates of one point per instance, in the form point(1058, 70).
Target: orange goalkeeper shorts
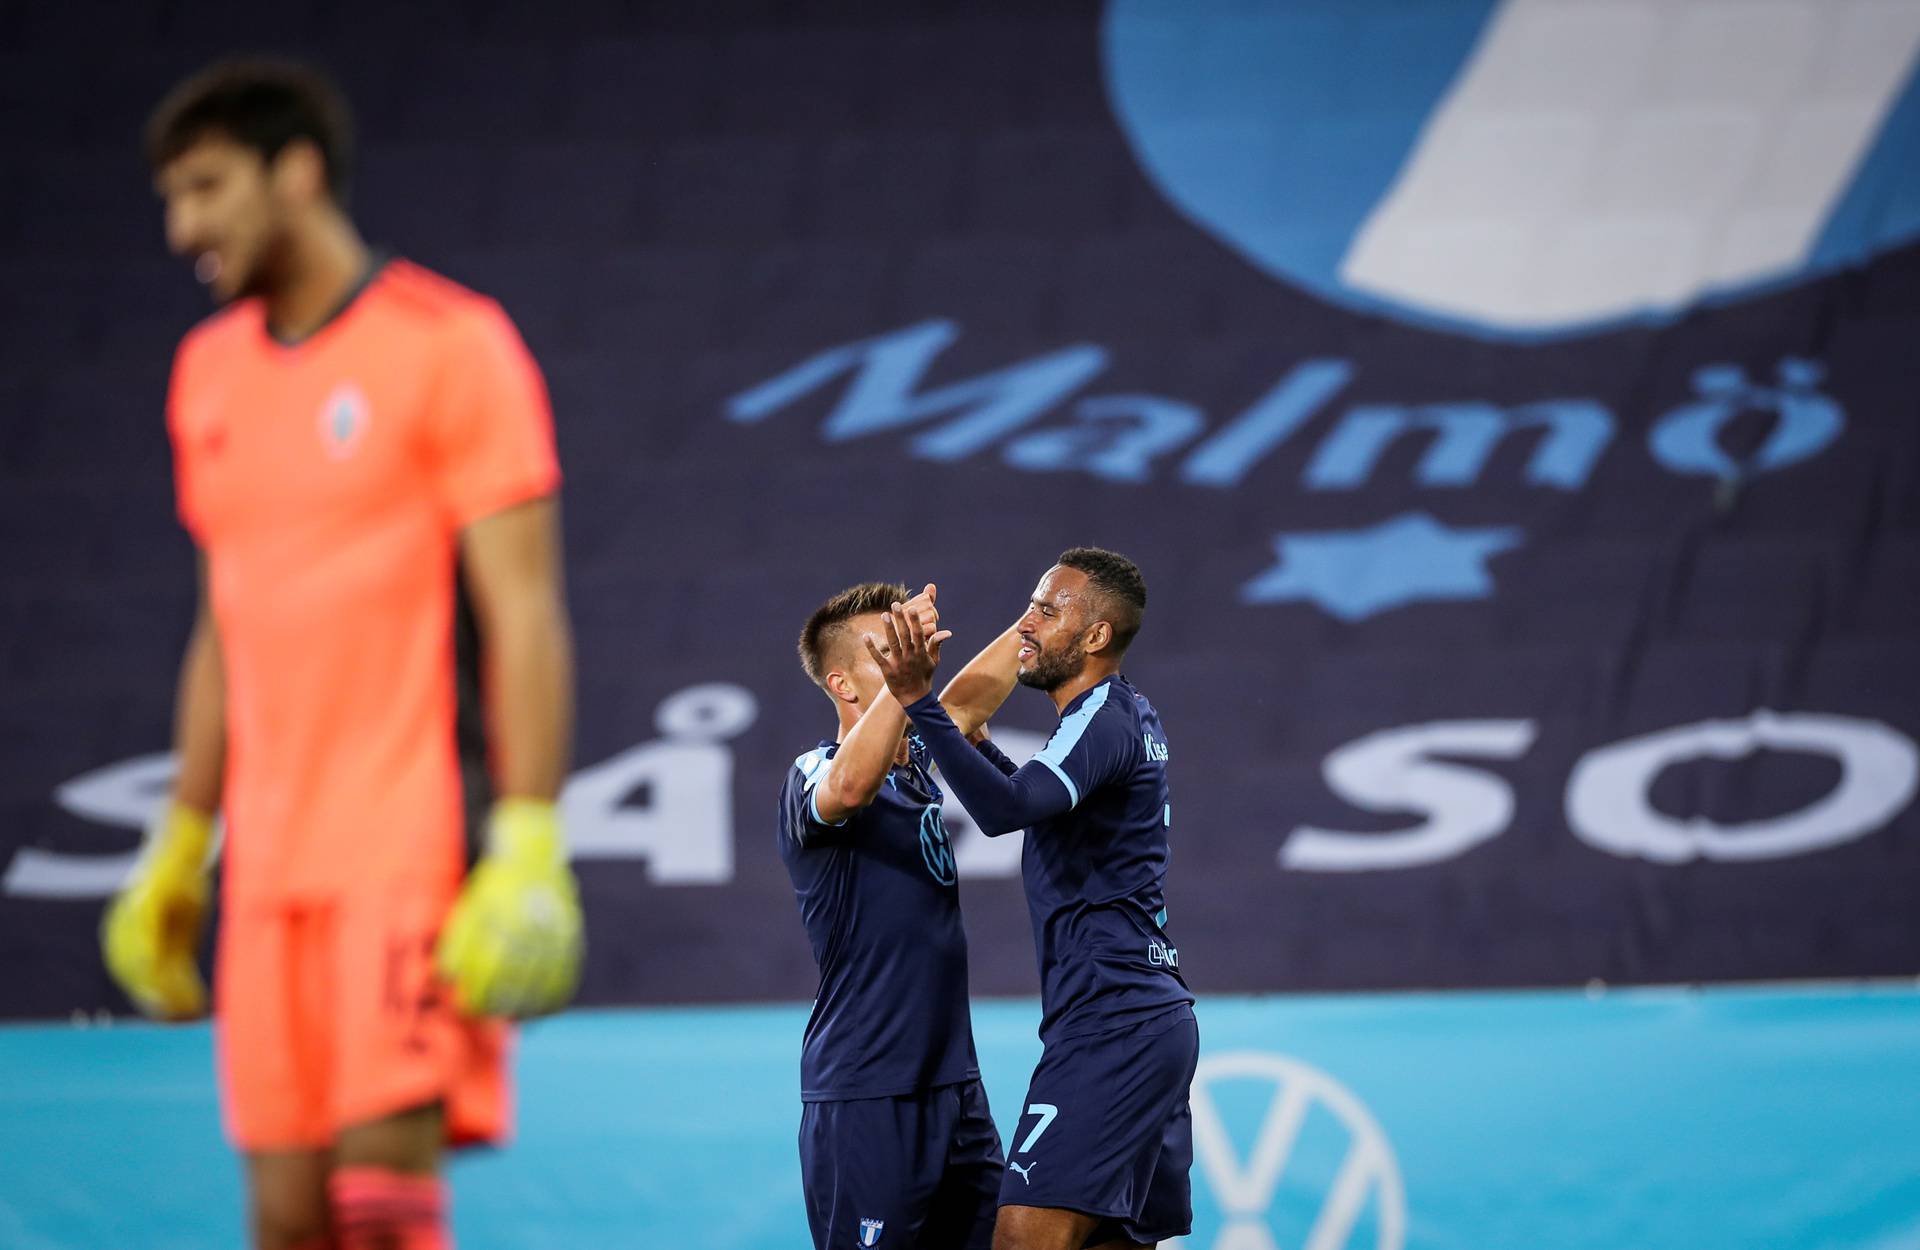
point(329, 1015)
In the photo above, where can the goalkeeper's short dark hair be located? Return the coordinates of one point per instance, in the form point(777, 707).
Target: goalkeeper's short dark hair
point(263, 103)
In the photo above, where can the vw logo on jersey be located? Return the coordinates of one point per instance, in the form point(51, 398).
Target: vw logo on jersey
point(935, 847)
point(343, 420)
point(1319, 1167)
point(1528, 168)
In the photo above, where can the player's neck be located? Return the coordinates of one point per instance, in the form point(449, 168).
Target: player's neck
point(1090, 676)
point(850, 716)
point(324, 263)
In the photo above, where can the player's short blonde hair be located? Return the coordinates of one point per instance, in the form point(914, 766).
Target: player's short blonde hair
point(825, 631)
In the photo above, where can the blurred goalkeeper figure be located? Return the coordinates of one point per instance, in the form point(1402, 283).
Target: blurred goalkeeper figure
point(897, 1145)
point(364, 457)
point(1102, 1154)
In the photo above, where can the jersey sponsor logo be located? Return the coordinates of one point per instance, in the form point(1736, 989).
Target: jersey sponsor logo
point(870, 1231)
point(1318, 1206)
point(936, 849)
point(1161, 955)
point(343, 420)
point(1156, 749)
point(1026, 1173)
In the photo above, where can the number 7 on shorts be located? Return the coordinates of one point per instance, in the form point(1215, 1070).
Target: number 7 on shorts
point(1046, 1111)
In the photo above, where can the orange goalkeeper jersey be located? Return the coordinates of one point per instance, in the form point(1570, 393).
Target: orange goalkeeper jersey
point(327, 483)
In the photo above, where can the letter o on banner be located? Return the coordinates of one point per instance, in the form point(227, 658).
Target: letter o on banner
point(1608, 805)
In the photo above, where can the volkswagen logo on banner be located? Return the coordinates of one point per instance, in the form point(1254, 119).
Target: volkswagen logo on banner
point(1269, 1181)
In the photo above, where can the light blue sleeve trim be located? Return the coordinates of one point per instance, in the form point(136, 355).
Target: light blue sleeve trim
point(813, 766)
point(1073, 791)
point(813, 808)
point(1068, 736)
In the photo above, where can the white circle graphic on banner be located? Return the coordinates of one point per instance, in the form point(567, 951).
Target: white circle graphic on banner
point(1247, 1185)
point(1523, 169)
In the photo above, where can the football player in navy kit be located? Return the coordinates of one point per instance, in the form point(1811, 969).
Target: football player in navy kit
point(1102, 1152)
point(897, 1145)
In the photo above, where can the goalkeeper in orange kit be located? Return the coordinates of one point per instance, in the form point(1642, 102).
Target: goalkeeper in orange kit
point(364, 456)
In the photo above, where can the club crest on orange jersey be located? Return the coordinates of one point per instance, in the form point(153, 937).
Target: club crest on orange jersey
point(343, 420)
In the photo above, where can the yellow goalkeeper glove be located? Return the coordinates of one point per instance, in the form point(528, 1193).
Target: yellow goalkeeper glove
point(512, 943)
point(151, 929)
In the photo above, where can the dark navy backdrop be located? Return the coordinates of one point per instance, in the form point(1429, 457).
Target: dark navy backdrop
point(1483, 661)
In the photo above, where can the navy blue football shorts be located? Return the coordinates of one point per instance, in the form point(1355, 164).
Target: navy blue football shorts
point(1107, 1130)
point(922, 1170)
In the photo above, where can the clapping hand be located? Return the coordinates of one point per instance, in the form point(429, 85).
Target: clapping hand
point(922, 605)
point(912, 647)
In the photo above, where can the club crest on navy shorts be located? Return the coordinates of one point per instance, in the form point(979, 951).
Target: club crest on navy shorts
point(870, 1231)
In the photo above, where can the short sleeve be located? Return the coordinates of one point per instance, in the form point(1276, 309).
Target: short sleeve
point(1093, 745)
point(490, 431)
point(801, 800)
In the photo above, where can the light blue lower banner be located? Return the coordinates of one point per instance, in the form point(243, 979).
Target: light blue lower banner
point(1763, 1117)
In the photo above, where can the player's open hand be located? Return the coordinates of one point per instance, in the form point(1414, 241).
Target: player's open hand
point(912, 650)
point(923, 606)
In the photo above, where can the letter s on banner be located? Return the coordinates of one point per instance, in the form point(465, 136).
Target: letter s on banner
point(668, 802)
point(1607, 796)
point(122, 796)
point(1390, 771)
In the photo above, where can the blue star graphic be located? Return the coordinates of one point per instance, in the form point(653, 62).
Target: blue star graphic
point(1352, 574)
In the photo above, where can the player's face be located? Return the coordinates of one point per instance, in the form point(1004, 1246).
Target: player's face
point(1053, 631)
point(862, 673)
point(221, 211)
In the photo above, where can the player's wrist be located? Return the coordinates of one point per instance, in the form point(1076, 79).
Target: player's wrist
point(526, 831)
point(181, 838)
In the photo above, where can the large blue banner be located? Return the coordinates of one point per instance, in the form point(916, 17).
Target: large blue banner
point(1657, 1119)
point(1512, 406)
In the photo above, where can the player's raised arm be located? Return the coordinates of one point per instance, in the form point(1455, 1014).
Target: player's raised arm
point(859, 768)
point(977, 691)
point(998, 802)
point(151, 930)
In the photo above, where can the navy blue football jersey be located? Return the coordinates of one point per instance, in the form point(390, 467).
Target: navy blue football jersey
point(1096, 873)
point(1097, 811)
point(881, 903)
